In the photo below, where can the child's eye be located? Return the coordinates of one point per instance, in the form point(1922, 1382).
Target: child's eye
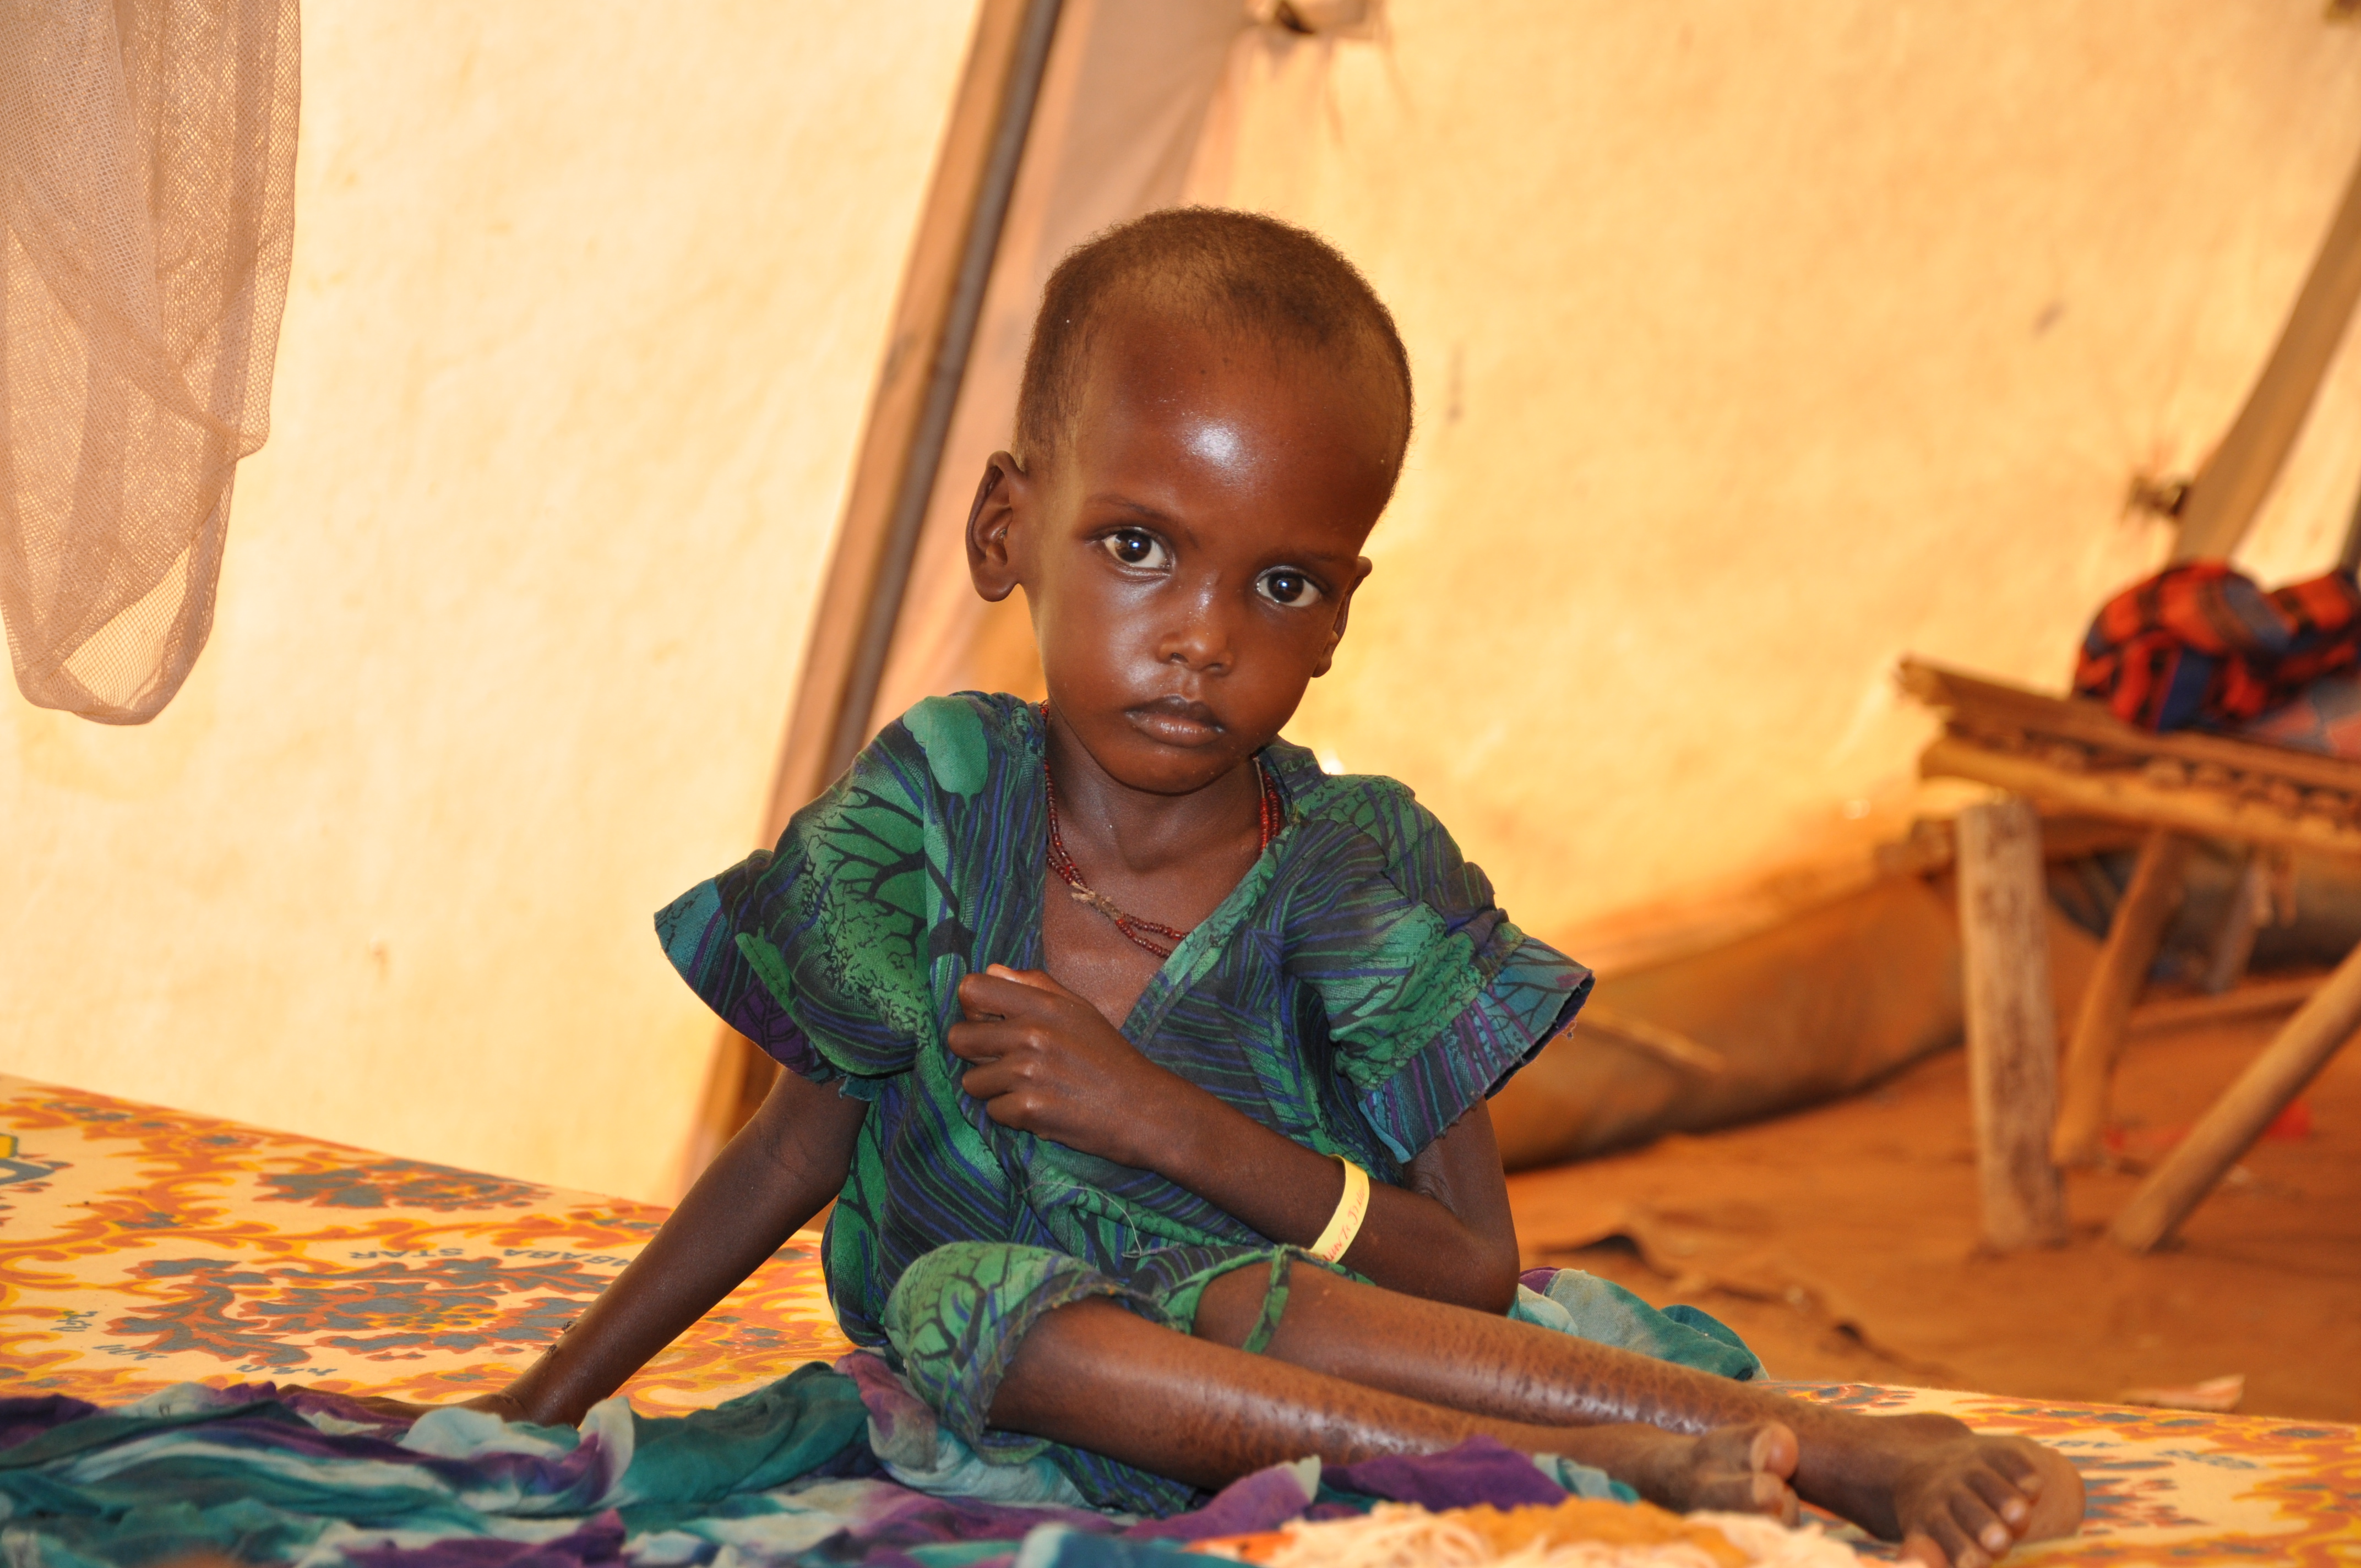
point(1282, 585)
point(1137, 547)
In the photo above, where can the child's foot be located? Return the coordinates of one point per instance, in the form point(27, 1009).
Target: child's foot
point(1737, 1470)
point(1957, 1499)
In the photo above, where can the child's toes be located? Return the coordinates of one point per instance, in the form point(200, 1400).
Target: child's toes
point(2006, 1497)
point(1745, 1469)
point(1768, 1447)
point(1924, 1547)
point(1745, 1492)
point(1944, 1542)
point(2054, 1488)
point(1774, 1450)
point(1980, 1523)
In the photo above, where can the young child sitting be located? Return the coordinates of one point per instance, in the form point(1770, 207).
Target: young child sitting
point(1146, 1063)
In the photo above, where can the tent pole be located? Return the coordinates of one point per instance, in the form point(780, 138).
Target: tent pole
point(2348, 558)
point(2229, 489)
point(893, 475)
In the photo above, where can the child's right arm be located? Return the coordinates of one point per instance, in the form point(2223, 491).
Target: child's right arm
point(782, 1168)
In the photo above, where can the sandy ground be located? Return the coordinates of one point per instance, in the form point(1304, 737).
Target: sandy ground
point(1841, 1242)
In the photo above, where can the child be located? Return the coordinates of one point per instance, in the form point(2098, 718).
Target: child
point(1147, 1063)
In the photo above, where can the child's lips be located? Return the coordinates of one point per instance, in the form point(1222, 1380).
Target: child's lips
point(1177, 721)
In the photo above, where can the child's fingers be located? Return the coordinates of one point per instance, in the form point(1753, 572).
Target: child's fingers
point(988, 995)
point(989, 1081)
point(983, 1041)
point(1037, 979)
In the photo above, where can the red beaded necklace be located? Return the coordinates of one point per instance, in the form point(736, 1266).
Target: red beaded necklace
point(1273, 813)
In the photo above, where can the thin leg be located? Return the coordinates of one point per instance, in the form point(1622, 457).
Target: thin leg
point(2228, 1130)
point(1354, 1371)
point(1099, 1378)
point(2133, 938)
point(2012, 1023)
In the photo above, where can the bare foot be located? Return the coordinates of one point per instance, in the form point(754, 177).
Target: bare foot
point(1737, 1469)
point(1957, 1499)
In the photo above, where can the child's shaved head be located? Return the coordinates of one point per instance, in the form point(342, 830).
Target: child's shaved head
point(1226, 273)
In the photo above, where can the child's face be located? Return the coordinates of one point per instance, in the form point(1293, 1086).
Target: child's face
point(1190, 554)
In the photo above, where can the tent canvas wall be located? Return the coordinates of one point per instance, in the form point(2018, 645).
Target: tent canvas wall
point(1754, 348)
point(586, 305)
point(1754, 351)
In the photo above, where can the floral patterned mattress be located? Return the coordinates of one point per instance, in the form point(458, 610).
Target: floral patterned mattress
point(141, 1247)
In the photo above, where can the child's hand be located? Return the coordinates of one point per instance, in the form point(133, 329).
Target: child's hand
point(1047, 1062)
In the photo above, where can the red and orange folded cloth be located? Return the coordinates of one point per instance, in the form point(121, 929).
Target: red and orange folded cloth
point(2203, 645)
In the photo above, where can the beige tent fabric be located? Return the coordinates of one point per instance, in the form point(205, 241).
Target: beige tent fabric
point(1754, 349)
point(147, 182)
point(587, 303)
point(1758, 349)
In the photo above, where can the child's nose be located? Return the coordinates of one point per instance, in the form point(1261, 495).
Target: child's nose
point(1202, 637)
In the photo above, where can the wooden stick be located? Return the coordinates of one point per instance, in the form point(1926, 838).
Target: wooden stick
point(2012, 1025)
point(1975, 703)
point(2133, 938)
point(2229, 490)
point(2190, 808)
point(2270, 1082)
point(2234, 943)
point(2348, 558)
point(2282, 995)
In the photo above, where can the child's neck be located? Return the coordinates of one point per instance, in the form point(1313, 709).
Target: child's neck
point(1139, 832)
point(1169, 860)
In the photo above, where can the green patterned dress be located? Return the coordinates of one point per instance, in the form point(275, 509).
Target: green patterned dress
point(1357, 991)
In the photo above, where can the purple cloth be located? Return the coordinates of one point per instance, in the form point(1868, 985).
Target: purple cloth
point(901, 1425)
point(1248, 1506)
point(1480, 1470)
point(21, 1420)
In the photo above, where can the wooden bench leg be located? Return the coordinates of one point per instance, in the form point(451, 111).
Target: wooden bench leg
point(2012, 1022)
point(2250, 904)
point(2133, 938)
point(2270, 1082)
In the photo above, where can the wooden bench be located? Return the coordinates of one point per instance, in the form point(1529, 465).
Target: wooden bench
point(2075, 755)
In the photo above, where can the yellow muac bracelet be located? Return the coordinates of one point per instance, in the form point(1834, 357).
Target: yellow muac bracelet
point(1346, 1222)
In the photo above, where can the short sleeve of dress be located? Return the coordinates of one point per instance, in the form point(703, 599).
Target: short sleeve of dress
point(812, 950)
point(1434, 998)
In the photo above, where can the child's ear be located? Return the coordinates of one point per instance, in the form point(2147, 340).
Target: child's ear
point(1006, 491)
point(1361, 570)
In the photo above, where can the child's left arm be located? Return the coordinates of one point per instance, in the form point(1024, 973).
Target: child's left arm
point(1047, 1062)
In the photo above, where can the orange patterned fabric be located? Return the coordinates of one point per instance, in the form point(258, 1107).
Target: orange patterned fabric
point(2165, 1487)
point(142, 1247)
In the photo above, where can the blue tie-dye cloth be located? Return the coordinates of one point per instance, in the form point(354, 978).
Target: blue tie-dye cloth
point(1602, 1311)
point(786, 1476)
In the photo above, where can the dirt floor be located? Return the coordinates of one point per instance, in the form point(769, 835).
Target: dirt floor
point(1841, 1242)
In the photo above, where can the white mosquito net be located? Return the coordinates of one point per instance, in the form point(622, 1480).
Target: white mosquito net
point(147, 190)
